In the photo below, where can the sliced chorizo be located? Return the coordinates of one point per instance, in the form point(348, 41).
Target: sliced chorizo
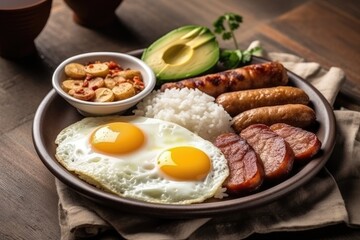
point(275, 153)
point(246, 170)
point(305, 144)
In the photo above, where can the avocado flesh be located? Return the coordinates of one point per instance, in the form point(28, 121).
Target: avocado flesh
point(182, 53)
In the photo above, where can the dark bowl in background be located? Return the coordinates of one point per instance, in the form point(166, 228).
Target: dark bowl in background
point(21, 21)
point(93, 13)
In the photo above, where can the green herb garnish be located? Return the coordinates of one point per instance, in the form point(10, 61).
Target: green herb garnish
point(226, 25)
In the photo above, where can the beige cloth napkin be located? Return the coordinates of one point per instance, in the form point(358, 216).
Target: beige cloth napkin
point(331, 197)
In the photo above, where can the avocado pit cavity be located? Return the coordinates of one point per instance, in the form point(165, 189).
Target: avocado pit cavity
point(178, 54)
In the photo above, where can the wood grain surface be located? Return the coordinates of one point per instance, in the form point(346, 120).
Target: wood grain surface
point(322, 31)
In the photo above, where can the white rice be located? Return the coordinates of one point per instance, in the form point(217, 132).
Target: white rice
point(189, 108)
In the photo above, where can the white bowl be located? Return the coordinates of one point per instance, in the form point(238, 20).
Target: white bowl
point(87, 108)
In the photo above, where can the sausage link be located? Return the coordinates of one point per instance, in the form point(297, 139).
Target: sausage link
point(297, 115)
point(267, 74)
point(240, 101)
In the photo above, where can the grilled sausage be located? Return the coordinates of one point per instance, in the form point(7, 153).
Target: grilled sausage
point(297, 115)
point(268, 74)
point(305, 144)
point(246, 170)
point(240, 101)
point(275, 153)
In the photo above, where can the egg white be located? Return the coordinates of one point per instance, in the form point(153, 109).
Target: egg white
point(136, 174)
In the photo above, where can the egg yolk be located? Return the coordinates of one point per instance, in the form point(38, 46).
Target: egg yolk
point(184, 163)
point(117, 138)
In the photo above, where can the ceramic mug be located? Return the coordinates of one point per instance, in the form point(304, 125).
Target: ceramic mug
point(21, 21)
point(93, 13)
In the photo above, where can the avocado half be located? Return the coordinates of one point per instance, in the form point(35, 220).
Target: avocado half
point(182, 53)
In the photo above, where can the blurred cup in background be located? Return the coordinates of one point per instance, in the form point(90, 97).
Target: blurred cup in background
point(93, 13)
point(21, 21)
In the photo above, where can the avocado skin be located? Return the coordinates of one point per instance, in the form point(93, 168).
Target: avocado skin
point(184, 52)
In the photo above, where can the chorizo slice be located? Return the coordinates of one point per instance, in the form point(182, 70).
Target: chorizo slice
point(240, 101)
point(297, 115)
point(253, 76)
point(275, 153)
point(246, 170)
point(305, 144)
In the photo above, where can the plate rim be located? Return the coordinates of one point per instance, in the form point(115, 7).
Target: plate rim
point(207, 209)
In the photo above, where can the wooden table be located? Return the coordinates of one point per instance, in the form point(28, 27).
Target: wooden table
point(322, 31)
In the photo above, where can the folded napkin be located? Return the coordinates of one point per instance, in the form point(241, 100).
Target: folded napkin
point(331, 197)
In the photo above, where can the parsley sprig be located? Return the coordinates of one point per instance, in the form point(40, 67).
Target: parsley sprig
point(226, 25)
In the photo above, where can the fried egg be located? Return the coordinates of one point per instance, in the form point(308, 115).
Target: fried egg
point(142, 158)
